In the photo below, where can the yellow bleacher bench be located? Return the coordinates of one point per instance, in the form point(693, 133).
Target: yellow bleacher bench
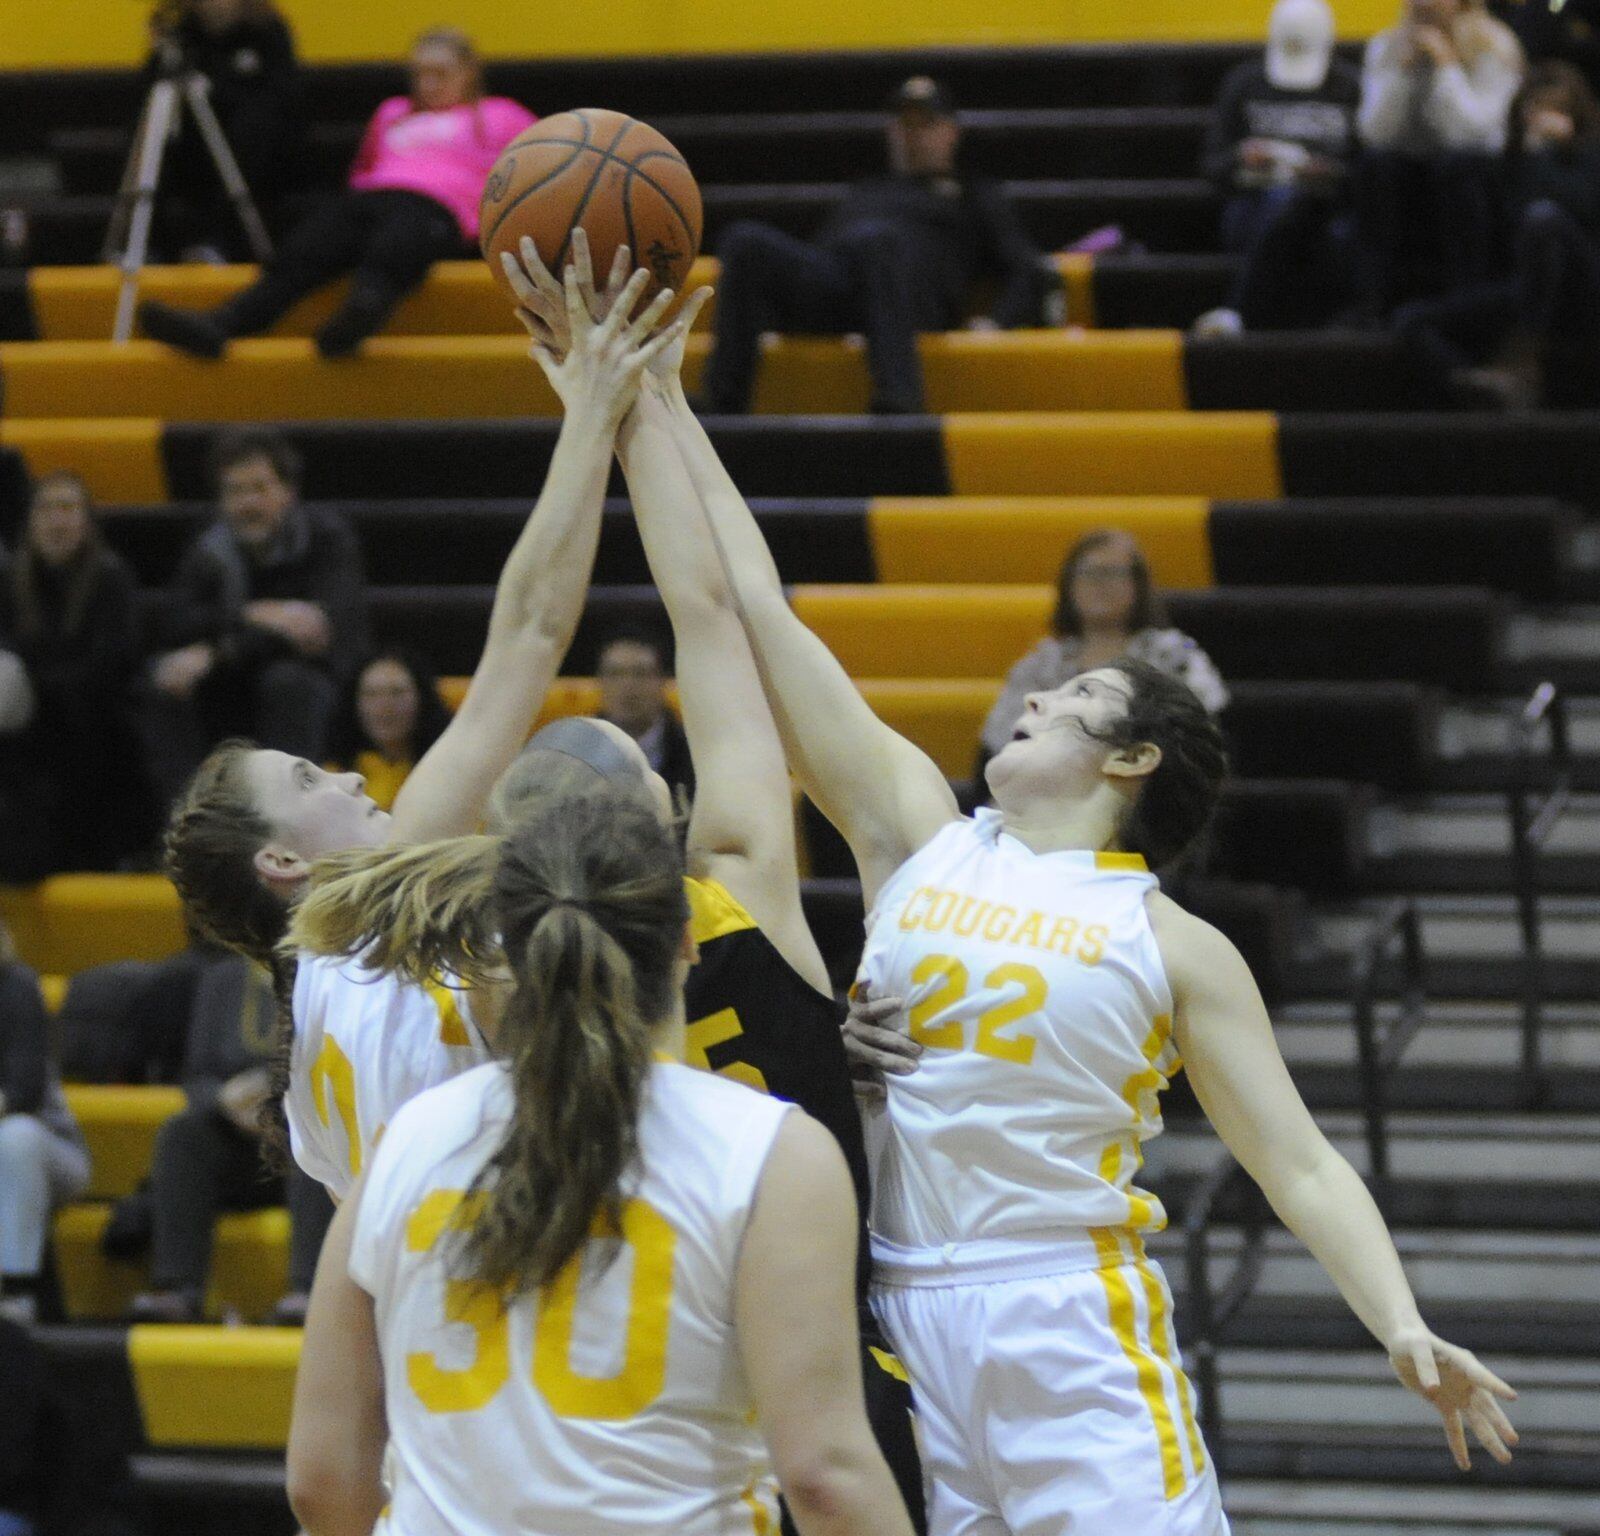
point(221, 1388)
point(70, 922)
point(249, 1267)
point(119, 1123)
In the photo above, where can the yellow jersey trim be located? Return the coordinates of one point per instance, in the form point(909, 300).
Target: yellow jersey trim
point(1134, 861)
point(713, 913)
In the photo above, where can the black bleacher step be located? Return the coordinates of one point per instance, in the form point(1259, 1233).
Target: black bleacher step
point(1096, 142)
point(1535, 453)
point(1489, 1327)
point(1486, 1089)
point(1165, 290)
point(1518, 544)
point(1380, 733)
point(218, 1494)
point(1452, 1203)
point(1453, 637)
point(778, 456)
point(657, 86)
point(66, 231)
point(456, 542)
point(1299, 1507)
point(1316, 371)
point(1172, 214)
point(1259, 1450)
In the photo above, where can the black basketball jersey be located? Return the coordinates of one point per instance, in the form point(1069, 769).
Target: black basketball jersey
point(753, 1018)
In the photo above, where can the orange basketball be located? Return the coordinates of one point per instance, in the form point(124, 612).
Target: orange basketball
point(607, 172)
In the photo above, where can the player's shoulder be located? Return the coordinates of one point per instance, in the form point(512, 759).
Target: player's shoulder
point(452, 1112)
point(1193, 951)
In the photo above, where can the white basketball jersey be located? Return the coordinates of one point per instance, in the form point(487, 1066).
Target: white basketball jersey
point(1035, 986)
point(612, 1400)
point(364, 1044)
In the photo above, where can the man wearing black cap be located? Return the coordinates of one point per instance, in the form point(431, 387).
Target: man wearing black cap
point(899, 255)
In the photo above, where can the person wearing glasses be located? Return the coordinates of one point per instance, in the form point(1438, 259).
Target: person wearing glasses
point(1108, 607)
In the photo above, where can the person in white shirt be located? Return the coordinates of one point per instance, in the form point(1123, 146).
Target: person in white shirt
point(1436, 94)
point(566, 1294)
point(1046, 988)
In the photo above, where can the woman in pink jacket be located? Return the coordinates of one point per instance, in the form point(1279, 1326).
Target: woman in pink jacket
point(412, 199)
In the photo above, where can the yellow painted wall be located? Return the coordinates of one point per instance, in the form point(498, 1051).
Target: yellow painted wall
point(111, 32)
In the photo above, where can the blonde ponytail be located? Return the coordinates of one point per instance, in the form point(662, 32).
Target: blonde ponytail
point(420, 910)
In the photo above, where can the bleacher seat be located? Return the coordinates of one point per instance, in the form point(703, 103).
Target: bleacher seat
point(70, 922)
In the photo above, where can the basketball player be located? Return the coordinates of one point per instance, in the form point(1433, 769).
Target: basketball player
point(1051, 989)
point(566, 1289)
point(241, 842)
point(761, 1008)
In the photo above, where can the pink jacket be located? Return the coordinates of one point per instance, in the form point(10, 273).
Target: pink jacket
point(443, 155)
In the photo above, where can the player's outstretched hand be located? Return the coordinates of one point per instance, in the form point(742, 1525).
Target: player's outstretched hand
point(541, 301)
point(1466, 1392)
point(666, 367)
point(606, 359)
point(873, 1047)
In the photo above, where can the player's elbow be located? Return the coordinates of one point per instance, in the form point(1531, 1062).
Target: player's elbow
point(826, 1480)
point(321, 1495)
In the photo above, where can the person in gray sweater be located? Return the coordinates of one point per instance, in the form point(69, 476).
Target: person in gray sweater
point(44, 1162)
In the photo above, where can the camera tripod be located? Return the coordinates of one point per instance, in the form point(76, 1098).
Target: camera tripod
point(178, 87)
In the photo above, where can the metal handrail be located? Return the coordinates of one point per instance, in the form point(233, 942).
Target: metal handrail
point(1379, 1050)
point(1209, 1310)
point(1531, 827)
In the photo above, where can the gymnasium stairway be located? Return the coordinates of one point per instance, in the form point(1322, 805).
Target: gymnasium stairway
point(1381, 584)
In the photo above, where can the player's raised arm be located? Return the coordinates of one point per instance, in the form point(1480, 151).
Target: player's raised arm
point(742, 829)
point(885, 795)
point(339, 1428)
point(542, 588)
point(1225, 1037)
point(794, 1317)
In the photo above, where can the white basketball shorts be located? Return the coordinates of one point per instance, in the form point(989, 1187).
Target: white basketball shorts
point(1049, 1391)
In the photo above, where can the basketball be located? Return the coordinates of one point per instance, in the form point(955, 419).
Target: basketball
point(614, 176)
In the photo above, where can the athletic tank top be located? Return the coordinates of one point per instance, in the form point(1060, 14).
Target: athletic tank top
point(1035, 986)
point(365, 1044)
point(612, 1400)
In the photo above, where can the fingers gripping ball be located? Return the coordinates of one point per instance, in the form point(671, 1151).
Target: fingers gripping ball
point(605, 172)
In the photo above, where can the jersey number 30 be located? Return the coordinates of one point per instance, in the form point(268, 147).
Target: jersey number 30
point(569, 1392)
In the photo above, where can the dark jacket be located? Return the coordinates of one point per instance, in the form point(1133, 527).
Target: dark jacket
point(316, 558)
point(80, 646)
point(1249, 106)
point(27, 1077)
point(1568, 176)
point(232, 1027)
point(960, 230)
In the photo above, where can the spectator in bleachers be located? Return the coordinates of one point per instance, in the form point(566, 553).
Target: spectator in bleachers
point(900, 254)
point(412, 200)
point(1568, 30)
point(245, 51)
point(69, 612)
point(263, 605)
point(208, 1157)
point(1107, 606)
point(1435, 98)
point(1533, 334)
point(1281, 146)
point(632, 671)
point(43, 1160)
point(390, 715)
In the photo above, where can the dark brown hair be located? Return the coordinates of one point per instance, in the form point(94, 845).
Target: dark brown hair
point(1147, 612)
point(83, 576)
point(590, 904)
point(1555, 77)
point(239, 445)
point(1177, 801)
point(213, 836)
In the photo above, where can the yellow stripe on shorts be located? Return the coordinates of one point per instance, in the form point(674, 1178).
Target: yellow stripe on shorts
point(1161, 1339)
point(1152, 1384)
point(889, 1363)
